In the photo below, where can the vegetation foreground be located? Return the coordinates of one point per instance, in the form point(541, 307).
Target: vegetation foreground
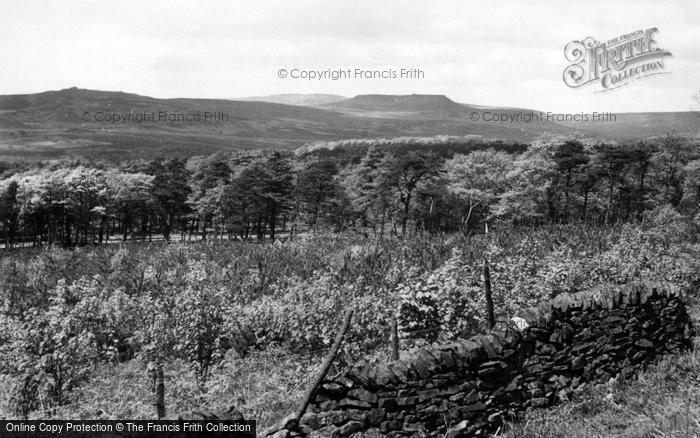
point(246, 324)
point(221, 273)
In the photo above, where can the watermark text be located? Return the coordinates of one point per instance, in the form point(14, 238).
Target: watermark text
point(337, 74)
point(155, 116)
point(503, 117)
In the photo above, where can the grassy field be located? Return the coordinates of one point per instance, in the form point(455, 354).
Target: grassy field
point(265, 386)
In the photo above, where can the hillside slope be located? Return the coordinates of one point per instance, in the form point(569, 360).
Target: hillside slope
point(63, 124)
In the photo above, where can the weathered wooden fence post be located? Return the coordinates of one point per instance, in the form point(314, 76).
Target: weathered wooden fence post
point(395, 339)
point(489, 296)
point(326, 365)
point(487, 286)
point(159, 390)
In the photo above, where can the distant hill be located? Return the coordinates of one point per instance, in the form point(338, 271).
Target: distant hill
point(426, 103)
point(61, 124)
point(297, 99)
point(640, 125)
point(50, 125)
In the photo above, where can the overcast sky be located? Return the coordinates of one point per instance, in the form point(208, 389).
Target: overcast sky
point(507, 53)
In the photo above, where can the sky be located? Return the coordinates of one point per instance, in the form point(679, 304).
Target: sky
point(496, 53)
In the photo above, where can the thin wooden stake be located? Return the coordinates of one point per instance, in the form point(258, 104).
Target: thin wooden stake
point(160, 390)
point(395, 339)
point(326, 365)
point(487, 286)
point(489, 296)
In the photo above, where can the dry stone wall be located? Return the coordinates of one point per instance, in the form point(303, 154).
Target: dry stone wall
point(469, 387)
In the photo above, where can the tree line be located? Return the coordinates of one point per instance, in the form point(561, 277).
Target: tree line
point(377, 190)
